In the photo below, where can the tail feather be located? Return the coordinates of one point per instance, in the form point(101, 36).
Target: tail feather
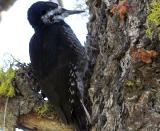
point(81, 118)
point(86, 111)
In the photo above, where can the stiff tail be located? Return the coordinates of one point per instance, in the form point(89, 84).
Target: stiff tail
point(81, 117)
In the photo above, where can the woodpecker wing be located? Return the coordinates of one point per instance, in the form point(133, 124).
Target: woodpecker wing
point(72, 42)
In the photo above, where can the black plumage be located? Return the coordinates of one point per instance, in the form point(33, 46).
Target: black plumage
point(57, 58)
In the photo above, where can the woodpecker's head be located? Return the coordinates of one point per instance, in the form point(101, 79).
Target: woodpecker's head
point(41, 13)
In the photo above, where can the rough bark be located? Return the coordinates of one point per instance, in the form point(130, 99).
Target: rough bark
point(35, 122)
point(118, 105)
point(21, 109)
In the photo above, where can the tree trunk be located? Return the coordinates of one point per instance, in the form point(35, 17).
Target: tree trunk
point(124, 86)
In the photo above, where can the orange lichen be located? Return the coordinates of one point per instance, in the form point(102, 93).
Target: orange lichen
point(114, 9)
point(121, 9)
point(143, 55)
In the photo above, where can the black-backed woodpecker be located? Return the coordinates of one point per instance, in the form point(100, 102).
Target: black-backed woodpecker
point(56, 57)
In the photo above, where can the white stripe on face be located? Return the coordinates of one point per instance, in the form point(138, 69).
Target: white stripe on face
point(53, 16)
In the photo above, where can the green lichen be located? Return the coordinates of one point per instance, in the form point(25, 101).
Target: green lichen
point(6, 88)
point(130, 86)
point(43, 109)
point(130, 83)
point(153, 18)
point(133, 86)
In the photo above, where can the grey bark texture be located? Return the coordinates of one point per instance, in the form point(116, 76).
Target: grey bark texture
point(116, 104)
point(21, 109)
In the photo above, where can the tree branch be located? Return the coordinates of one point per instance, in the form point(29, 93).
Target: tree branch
point(34, 122)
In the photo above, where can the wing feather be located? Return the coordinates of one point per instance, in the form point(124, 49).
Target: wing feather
point(72, 41)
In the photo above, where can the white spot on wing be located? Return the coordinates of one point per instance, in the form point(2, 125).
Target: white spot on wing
point(72, 101)
point(72, 92)
point(73, 84)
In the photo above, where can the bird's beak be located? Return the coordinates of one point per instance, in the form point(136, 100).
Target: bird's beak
point(66, 12)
